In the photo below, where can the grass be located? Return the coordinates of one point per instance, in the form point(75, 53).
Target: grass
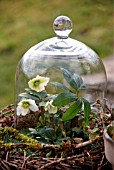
point(24, 23)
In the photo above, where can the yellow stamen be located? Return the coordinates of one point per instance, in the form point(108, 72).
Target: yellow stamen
point(25, 104)
point(36, 83)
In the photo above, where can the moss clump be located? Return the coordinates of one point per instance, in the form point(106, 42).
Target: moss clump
point(14, 134)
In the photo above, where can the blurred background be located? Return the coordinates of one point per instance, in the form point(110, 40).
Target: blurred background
point(24, 23)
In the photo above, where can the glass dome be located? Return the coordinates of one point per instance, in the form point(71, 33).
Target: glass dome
point(49, 58)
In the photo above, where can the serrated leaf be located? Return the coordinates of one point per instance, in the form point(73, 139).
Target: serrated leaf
point(87, 109)
point(72, 111)
point(74, 80)
point(28, 96)
point(61, 86)
point(63, 99)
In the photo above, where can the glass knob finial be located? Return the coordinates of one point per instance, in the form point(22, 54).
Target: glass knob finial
point(62, 26)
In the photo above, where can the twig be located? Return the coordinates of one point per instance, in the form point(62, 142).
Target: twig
point(101, 162)
point(33, 161)
point(33, 154)
point(76, 146)
point(11, 164)
point(6, 167)
point(51, 163)
point(7, 156)
point(7, 108)
point(59, 160)
point(64, 164)
point(84, 143)
point(24, 159)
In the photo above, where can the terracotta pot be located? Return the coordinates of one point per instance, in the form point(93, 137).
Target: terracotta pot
point(109, 147)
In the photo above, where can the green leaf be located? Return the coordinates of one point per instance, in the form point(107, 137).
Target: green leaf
point(41, 132)
point(83, 87)
point(50, 133)
point(74, 80)
point(64, 139)
point(42, 103)
point(32, 92)
point(48, 155)
point(78, 80)
point(56, 119)
point(28, 96)
point(40, 95)
point(67, 125)
point(63, 99)
point(59, 132)
point(33, 131)
point(72, 111)
point(87, 109)
point(42, 140)
point(69, 77)
point(61, 86)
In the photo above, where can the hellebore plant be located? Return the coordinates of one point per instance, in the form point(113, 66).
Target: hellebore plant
point(59, 115)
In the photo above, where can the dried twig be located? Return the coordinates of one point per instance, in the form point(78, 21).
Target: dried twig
point(7, 156)
point(101, 163)
point(85, 143)
point(59, 160)
point(5, 165)
point(24, 159)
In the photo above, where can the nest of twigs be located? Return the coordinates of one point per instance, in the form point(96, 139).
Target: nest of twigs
point(88, 155)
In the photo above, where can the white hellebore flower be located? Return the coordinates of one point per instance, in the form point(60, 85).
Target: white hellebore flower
point(49, 107)
point(25, 106)
point(38, 84)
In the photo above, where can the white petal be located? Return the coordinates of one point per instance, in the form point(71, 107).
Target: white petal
point(45, 81)
point(25, 111)
point(53, 110)
point(46, 106)
point(34, 108)
point(22, 111)
point(18, 110)
point(38, 89)
point(20, 103)
point(33, 105)
point(41, 87)
point(32, 102)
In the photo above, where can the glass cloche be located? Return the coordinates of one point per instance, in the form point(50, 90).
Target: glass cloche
point(55, 66)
